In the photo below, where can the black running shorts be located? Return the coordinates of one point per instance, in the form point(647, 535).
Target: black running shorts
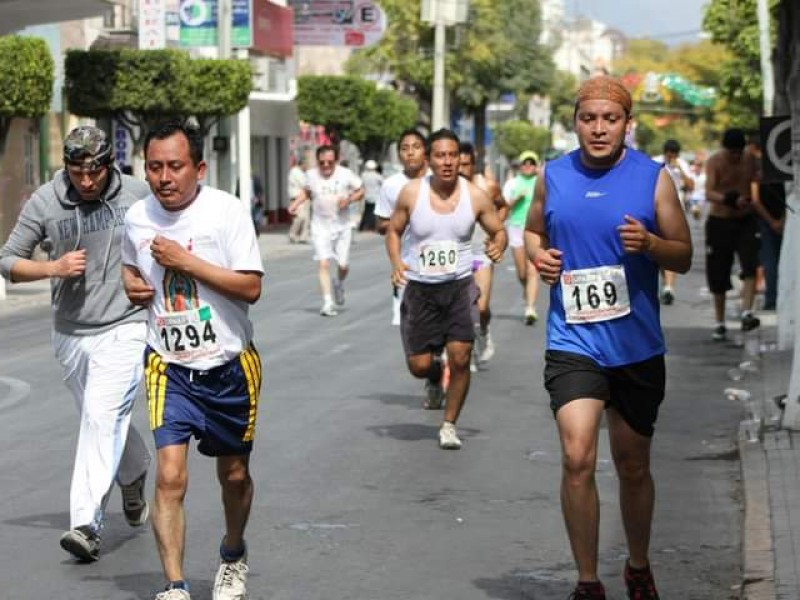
point(724, 238)
point(433, 314)
point(635, 391)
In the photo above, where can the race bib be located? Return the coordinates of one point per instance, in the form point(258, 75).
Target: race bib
point(188, 335)
point(438, 258)
point(593, 295)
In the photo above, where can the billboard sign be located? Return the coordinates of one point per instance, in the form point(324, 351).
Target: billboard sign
point(354, 23)
point(272, 29)
point(152, 24)
point(199, 24)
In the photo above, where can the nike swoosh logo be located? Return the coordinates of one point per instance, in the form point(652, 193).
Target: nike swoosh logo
point(595, 194)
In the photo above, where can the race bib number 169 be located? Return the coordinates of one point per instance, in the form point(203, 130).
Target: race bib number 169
point(594, 295)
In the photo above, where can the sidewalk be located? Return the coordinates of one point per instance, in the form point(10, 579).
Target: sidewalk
point(274, 244)
point(770, 459)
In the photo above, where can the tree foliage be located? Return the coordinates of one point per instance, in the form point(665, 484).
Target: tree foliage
point(354, 109)
point(516, 136)
point(142, 87)
point(26, 80)
point(734, 25)
point(495, 52)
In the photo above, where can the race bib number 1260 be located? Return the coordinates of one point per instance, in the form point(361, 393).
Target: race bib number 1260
point(438, 258)
point(594, 295)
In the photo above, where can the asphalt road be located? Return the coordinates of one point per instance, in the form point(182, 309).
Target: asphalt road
point(354, 499)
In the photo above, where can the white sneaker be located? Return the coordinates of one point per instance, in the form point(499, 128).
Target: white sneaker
point(448, 437)
point(174, 594)
point(328, 310)
point(487, 347)
point(231, 580)
point(338, 292)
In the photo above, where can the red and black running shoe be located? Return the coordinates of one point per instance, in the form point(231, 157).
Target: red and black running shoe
point(588, 590)
point(640, 583)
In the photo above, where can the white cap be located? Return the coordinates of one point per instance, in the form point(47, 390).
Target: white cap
point(370, 165)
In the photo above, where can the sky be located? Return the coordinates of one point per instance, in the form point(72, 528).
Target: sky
point(659, 19)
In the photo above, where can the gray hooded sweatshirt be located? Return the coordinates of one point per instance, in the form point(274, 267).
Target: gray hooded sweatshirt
point(95, 301)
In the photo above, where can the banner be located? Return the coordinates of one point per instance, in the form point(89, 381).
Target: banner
point(354, 23)
point(199, 24)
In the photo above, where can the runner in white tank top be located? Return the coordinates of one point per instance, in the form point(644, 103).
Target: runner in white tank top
point(438, 215)
point(482, 266)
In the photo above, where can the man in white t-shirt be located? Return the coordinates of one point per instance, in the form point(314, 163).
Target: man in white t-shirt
point(681, 175)
point(190, 255)
point(411, 150)
point(331, 189)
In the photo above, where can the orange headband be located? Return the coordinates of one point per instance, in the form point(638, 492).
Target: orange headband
point(605, 87)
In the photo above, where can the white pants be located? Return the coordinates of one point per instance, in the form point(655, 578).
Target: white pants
point(103, 372)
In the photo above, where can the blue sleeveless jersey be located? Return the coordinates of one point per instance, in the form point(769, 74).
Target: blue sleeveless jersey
point(582, 211)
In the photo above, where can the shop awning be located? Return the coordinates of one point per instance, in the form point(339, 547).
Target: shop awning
point(18, 14)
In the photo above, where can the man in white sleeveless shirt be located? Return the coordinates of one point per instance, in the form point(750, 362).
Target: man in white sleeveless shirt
point(437, 216)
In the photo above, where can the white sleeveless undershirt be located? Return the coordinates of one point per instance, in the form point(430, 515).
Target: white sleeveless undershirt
point(437, 247)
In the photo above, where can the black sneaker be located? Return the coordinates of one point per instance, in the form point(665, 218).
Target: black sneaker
point(667, 297)
point(720, 333)
point(134, 505)
point(640, 583)
point(750, 322)
point(588, 591)
point(82, 543)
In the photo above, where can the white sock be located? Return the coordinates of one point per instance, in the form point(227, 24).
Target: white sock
point(327, 299)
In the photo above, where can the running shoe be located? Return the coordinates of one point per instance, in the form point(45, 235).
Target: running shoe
point(488, 347)
point(640, 583)
point(473, 362)
point(328, 310)
point(448, 437)
point(134, 505)
point(338, 292)
point(173, 594)
point(590, 591)
point(434, 396)
point(82, 543)
point(719, 334)
point(530, 316)
point(667, 297)
point(231, 580)
point(750, 322)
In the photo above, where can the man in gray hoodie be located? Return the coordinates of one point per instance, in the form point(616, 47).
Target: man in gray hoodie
point(98, 335)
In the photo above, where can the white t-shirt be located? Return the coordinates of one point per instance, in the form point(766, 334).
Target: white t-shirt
point(390, 190)
point(189, 323)
point(326, 193)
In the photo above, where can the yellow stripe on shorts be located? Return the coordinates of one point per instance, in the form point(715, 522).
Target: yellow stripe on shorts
point(156, 386)
point(251, 365)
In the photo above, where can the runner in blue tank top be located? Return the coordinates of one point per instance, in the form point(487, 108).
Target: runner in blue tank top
point(605, 219)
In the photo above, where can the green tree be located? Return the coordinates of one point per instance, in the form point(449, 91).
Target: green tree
point(734, 25)
point(516, 136)
point(26, 81)
point(142, 87)
point(337, 103)
point(496, 52)
point(354, 109)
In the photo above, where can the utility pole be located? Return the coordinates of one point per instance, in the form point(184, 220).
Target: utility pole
point(441, 13)
point(239, 147)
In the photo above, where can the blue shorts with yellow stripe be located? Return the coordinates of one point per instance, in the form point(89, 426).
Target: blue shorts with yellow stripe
point(217, 406)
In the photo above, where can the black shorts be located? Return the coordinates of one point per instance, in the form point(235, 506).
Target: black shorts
point(433, 314)
point(724, 238)
point(635, 391)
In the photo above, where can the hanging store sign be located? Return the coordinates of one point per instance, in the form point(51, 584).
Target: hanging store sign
point(354, 23)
